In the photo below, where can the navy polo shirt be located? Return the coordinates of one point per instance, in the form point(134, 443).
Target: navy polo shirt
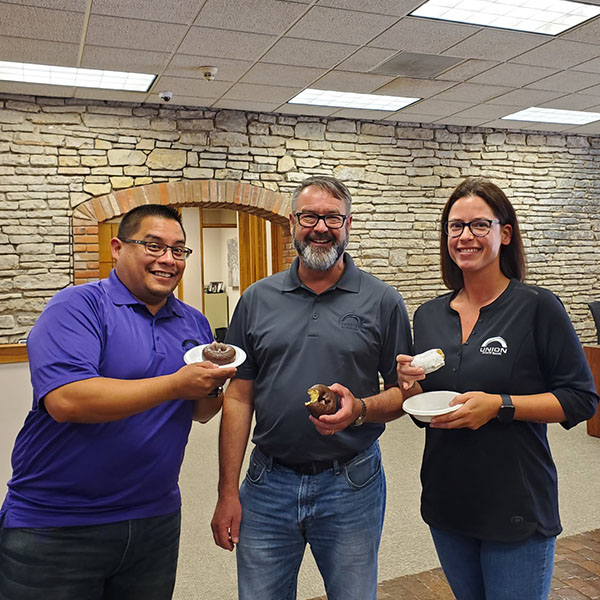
point(499, 482)
point(81, 474)
point(295, 338)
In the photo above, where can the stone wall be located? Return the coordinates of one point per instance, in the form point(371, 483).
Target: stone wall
point(56, 154)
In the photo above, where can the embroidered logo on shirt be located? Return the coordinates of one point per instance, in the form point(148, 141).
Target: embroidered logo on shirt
point(351, 321)
point(495, 346)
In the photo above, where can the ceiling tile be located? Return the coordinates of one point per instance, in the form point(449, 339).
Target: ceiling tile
point(567, 81)
point(588, 32)
point(495, 44)
point(40, 23)
point(259, 16)
point(590, 128)
point(573, 102)
point(245, 105)
point(397, 8)
point(136, 61)
point(134, 34)
point(346, 81)
point(524, 98)
point(406, 86)
point(261, 93)
point(293, 51)
point(283, 75)
point(402, 117)
point(186, 65)
point(194, 101)
point(202, 41)
point(182, 11)
point(357, 113)
point(467, 69)
point(437, 107)
point(191, 87)
point(462, 121)
point(365, 59)
point(485, 111)
point(34, 89)
point(74, 5)
point(592, 91)
point(42, 52)
point(471, 92)
point(113, 95)
point(512, 75)
point(333, 25)
point(423, 35)
point(559, 53)
point(589, 66)
point(306, 109)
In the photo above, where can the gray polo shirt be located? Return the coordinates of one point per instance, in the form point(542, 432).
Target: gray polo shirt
point(295, 338)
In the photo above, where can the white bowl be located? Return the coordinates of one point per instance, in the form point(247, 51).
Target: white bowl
point(195, 355)
point(427, 405)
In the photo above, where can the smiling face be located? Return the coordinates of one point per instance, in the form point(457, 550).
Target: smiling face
point(151, 280)
point(319, 247)
point(474, 254)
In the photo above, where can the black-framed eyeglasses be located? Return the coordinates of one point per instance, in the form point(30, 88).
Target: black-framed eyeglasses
point(311, 220)
point(156, 249)
point(478, 227)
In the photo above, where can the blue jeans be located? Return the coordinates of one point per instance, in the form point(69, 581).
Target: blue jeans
point(128, 560)
point(480, 570)
point(339, 512)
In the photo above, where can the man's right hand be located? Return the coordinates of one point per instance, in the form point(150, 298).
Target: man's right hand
point(226, 521)
point(199, 379)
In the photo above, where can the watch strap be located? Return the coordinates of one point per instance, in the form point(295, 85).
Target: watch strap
point(216, 392)
point(506, 412)
point(363, 413)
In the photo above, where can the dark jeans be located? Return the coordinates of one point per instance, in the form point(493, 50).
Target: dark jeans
point(128, 560)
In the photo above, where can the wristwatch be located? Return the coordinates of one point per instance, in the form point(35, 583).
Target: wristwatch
point(363, 413)
point(216, 392)
point(506, 412)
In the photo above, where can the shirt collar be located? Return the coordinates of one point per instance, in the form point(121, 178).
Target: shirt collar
point(120, 295)
point(349, 281)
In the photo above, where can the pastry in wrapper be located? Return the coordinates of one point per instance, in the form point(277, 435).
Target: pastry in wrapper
point(323, 401)
point(430, 361)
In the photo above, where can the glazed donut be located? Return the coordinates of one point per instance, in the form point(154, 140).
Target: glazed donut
point(430, 361)
point(218, 353)
point(323, 401)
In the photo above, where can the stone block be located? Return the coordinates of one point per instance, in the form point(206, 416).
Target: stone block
point(165, 159)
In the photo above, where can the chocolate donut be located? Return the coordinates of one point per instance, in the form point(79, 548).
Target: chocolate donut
point(218, 353)
point(323, 401)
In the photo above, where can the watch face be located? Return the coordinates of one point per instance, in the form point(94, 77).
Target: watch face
point(506, 413)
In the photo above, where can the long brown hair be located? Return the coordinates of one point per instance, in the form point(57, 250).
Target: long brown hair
point(512, 256)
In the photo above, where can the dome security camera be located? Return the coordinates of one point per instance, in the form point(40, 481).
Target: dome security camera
point(165, 96)
point(209, 73)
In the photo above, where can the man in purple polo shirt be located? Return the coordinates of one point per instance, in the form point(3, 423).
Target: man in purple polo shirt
point(93, 506)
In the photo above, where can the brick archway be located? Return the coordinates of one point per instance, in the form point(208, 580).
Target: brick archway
point(207, 193)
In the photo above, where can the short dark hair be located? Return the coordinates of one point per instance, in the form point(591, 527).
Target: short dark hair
point(330, 184)
point(512, 256)
point(133, 219)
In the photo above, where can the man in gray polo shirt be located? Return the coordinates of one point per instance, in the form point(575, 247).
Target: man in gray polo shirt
point(316, 481)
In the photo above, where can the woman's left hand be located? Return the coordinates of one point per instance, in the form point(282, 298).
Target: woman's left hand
point(477, 409)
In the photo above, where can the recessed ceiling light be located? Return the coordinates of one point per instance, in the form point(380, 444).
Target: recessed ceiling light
point(94, 78)
point(550, 17)
point(554, 115)
point(351, 100)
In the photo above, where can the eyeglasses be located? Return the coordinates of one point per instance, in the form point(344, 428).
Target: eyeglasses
point(331, 221)
point(156, 249)
point(478, 227)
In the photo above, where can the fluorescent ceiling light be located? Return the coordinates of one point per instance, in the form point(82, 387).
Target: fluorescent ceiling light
point(94, 78)
point(550, 17)
point(554, 115)
point(351, 100)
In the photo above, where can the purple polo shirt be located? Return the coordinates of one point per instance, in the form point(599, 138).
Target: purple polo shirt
point(68, 474)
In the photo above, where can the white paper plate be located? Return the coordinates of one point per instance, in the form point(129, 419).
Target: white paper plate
point(195, 355)
point(427, 405)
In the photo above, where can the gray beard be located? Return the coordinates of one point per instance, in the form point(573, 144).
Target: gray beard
point(319, 259)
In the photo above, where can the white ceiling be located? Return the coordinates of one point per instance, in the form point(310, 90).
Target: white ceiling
point(267, 51)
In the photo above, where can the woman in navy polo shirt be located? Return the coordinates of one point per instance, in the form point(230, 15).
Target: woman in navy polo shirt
point(489, 482)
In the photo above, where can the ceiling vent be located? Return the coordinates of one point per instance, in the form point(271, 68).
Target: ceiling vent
point(411, 64)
